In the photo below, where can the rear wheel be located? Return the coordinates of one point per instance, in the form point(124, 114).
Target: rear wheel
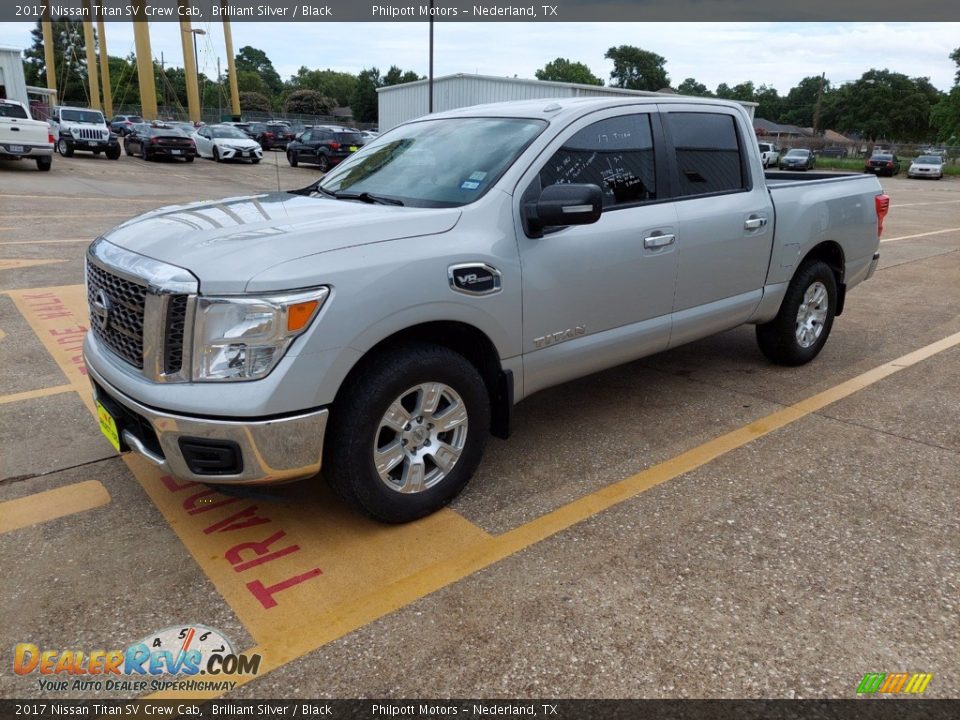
point(800, 330)
point(323, 163)
point(292, 159)
point(189, 158)
point(408, 432)
point(44, 163)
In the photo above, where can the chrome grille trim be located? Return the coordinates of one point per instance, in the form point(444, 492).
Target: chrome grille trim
point(152, 305)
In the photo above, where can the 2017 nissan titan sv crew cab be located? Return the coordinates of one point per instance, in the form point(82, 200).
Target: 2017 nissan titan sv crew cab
point(386, 319)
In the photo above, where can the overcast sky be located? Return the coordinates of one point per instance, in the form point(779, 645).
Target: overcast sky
point(777, 54)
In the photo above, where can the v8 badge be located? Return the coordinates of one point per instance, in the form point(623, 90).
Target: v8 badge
point(474, 279)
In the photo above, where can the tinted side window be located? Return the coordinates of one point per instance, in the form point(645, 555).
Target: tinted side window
point(616, 154)
point(708, 152)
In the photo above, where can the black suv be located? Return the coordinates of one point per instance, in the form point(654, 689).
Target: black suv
point(323, 147)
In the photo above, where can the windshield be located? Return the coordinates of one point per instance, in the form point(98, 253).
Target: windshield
point(82, 116)
point(928, 160)
point(797, 153)
point(227, 132)
point(882, 156)
point(435, 163)
point(9, 110)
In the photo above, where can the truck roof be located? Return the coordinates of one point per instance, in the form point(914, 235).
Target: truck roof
point(567, 107)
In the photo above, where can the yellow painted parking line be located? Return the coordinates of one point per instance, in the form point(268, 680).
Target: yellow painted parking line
point(925, 234)
point(52, 504)
point(20, 263)
point(304, 572)
point(289, 644)
point(33, 394)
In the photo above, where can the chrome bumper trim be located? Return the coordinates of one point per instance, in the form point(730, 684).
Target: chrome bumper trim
point(273, 451)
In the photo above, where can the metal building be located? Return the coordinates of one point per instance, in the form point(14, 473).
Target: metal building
point(400, 103)
point(12, 84)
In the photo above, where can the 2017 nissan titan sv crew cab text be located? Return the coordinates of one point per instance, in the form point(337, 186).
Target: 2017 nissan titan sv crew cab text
point(386, 319)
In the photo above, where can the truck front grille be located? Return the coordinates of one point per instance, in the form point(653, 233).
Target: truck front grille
point(89, 134)
point(116, 313)
point(173, 345)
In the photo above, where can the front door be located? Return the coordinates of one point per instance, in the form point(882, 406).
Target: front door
point(599, 295)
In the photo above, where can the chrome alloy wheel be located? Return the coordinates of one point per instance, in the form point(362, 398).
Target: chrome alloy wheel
point(420, 438)
point(812, 314)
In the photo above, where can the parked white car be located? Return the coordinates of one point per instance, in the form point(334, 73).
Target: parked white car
point(929, 166)
point(225, 142)
point(769, 154)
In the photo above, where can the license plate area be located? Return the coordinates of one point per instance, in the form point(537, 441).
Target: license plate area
point(108, 426)
point(16, 148)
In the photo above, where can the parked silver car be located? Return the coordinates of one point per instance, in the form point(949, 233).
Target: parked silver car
point(926, 166)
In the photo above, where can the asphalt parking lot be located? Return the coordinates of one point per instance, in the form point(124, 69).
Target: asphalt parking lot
point(700, 523)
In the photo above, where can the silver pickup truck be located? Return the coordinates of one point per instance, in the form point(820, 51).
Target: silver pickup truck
point(385, 320)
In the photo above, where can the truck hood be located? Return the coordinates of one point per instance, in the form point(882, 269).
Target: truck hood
point(226, 242)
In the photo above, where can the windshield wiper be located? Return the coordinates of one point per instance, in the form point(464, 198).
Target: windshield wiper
point(365, 197)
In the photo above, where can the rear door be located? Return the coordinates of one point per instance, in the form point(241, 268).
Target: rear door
point(725, 218)
point(599, 295)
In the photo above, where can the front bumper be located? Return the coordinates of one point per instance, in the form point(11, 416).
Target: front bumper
point(85, 144)
point(270, 451)
point(229, 153)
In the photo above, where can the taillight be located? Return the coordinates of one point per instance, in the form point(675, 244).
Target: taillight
point(154, 141)
point(890, 163)
point(882, 203)
point(334, 146)
point(50, 138)
point(268, 134)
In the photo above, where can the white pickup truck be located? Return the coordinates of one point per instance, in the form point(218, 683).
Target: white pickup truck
point(386, 319)
point(22, 137)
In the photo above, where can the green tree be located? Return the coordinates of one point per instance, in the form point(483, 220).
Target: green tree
point(724, 91)
point(691, 87)
point(888, 105)
point(396, 76)
point(363, 102)
point(945, 115)
point(251, 59)
point(308, 102)
point(770, 103)
point(337, 85)
point(69, 55)
point(564, 70)
point(800, 103)
point(255, 102)
point(637, 69)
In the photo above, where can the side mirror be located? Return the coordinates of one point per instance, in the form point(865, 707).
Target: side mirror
point(565, 204)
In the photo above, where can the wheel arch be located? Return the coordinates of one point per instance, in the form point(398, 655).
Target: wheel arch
point(831, 253)
point(466, 340)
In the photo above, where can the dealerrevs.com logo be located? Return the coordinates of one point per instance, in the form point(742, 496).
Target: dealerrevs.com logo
point(191, 650)
point(894, 683)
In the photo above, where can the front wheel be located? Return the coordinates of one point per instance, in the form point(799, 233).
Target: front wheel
point(64, 148)
point(292, 159)
point(113, 153)
point(407, 432)
point(799, 331)
point(254, 160)
point(216, 154)
point(322, 163)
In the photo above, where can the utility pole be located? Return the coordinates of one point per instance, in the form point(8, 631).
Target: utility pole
point(816, 110)
point(219, 92)
point(163, 76)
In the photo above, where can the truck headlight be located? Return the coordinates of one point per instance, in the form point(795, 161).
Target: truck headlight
point(243, 338)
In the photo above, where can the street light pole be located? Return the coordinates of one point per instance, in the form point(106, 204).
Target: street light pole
point(430, 103)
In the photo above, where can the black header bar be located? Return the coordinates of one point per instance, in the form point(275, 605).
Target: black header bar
point(484, 10)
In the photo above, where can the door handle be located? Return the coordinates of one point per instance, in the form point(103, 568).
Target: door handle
point(755, 223)
point(658, 241)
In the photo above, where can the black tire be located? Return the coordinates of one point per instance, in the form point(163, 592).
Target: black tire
point(113, 153)
point(44, 163)
point(356, 429)
point(254, 160)
point(144, 155)
point(323, 163)
point(778, 338)
point(216, 154)
point(189, 158)
point(65, 149)
point(292, 159)
point(126, 149)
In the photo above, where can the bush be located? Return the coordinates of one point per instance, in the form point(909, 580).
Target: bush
point(308, 102)
point(255, 102)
